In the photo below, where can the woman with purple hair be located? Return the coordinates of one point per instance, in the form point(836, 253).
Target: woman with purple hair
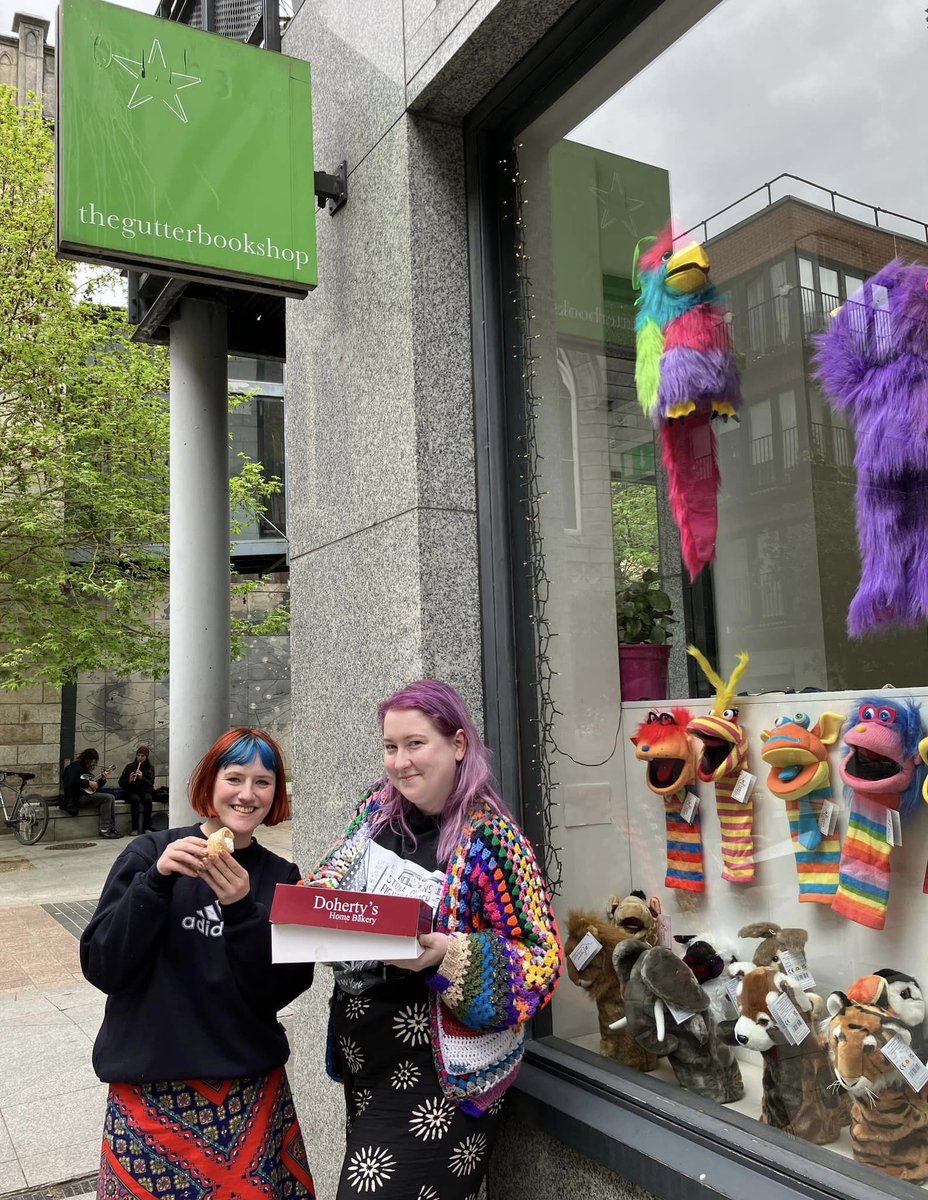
point(427, 1048)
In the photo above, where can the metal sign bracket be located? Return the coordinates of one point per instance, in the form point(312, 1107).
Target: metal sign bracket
point(332, 190)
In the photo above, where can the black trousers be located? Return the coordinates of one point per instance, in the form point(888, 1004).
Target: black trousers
point(143, 800)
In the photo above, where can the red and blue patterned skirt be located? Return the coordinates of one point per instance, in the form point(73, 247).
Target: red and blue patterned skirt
point(195, 1139)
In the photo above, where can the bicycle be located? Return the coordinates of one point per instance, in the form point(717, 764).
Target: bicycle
point(28, 817)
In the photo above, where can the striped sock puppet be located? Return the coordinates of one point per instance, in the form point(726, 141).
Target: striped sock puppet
point(724, 756)
point(797, 753)
point(663, 743)
point(882, 771)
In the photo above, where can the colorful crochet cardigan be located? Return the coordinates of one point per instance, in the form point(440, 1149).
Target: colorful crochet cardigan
point(504, 959)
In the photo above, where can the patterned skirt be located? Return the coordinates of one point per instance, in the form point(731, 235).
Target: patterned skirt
point(194, 1139)
point(405, 1140)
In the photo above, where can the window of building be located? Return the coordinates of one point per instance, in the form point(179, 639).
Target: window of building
point(749, 893)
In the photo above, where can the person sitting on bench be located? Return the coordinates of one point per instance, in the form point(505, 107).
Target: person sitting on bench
point(81, 789)
point(137, 782)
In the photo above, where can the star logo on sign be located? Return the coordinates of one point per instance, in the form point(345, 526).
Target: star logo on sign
point(619, 198)
point(156, 81)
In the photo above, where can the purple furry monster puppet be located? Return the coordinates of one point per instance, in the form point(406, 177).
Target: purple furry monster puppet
point(872, 364)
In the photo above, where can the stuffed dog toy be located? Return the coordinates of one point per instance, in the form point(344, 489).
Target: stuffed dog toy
point(653, 978)
point(796, 1095)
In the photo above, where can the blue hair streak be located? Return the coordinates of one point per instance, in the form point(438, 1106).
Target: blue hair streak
point(243, 751)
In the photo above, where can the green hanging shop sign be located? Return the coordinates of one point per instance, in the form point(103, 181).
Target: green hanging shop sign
point(183, 153)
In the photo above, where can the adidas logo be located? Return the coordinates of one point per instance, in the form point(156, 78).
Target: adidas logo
point(208, 921)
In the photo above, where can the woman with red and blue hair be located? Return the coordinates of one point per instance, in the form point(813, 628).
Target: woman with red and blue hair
point(190, 1045)
point(426, 1048)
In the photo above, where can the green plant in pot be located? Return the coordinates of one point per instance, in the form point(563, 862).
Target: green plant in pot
point(644, 616)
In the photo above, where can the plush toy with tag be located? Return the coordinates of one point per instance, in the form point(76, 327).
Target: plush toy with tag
point(724, 762)
point(901, 995)
point(872, 364)
point(883, 774)
point(774, 943)
point(590, 968)
point(797, 753)
point(667, 1013)
point(796, 1091)
point(710, 956)
point(662, 742)
point(889, 1116)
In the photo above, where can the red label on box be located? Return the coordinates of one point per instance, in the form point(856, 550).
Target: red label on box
point(353, 912)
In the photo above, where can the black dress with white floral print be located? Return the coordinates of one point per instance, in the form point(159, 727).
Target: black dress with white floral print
point(405, 1141)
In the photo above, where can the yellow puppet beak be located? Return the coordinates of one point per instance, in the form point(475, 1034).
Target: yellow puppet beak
point(688, 269)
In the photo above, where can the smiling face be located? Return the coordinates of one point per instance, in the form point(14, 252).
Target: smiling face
point(242, 798)
point(420, 761)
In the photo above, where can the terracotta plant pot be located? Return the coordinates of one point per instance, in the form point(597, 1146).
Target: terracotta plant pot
point(643, 671)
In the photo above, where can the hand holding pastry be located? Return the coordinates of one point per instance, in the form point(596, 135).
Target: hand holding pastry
point(220, 844)
point(228, 879)
point(186, 856)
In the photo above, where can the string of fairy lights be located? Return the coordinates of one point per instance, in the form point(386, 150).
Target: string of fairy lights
point(531, 497)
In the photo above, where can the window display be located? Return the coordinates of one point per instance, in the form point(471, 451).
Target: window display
point(741, 402)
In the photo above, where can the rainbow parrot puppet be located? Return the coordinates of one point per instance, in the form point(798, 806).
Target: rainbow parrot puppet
point(685, 374)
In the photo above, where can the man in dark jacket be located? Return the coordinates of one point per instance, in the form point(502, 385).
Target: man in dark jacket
point(81, 789)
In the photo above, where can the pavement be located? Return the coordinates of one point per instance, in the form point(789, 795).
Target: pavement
point(51, 1103)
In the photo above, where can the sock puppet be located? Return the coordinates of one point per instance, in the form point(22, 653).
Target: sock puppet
point(724, 756)
point(880, 770)
point(797, 754)
point(872, 364)
point(685, 374)
point(663, 743)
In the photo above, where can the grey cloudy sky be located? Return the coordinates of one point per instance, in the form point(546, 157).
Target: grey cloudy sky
point(835, 91)
point(46, 9)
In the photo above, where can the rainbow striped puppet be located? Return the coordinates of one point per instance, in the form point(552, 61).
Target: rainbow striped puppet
point(797, 753)
point(882, 771)
point(723, 759)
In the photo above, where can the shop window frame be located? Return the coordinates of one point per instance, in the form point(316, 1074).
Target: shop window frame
point(671, 1142)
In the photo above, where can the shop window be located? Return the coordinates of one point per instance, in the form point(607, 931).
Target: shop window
point(756, 884)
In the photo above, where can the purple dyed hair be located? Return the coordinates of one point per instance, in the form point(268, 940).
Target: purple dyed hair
point(474, 783)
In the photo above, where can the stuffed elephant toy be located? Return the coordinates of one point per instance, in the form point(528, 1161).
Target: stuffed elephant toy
point(653, 978)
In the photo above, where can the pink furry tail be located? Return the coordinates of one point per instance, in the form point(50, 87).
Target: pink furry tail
point(688, 452)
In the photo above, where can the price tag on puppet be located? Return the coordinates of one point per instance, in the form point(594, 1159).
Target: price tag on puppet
point(731, 991)
point(585, 951)
point(906, 1062)
point(690, 808)
point(828, 818)
point(664, 935)
point(744, 787)
point(893, 827)
point(680, 1015)
point(795, 965)
point(789, 1019)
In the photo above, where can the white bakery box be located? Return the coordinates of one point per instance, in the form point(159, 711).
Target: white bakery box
point(318, 924)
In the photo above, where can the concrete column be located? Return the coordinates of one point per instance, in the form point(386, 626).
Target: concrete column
point(199, 613)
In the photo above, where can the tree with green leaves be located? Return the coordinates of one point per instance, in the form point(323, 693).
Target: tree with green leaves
point(84, 442)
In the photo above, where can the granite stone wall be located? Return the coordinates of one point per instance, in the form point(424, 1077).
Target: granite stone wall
point(381, 497)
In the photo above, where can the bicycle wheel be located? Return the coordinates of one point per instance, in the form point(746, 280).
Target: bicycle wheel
point(30, 819)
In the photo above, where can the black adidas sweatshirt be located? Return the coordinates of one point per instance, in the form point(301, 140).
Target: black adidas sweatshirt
point(192, 990)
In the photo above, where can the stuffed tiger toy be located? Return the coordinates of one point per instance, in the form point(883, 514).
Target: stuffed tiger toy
point(889, 1122)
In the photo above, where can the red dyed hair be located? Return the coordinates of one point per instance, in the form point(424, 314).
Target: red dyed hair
point(239, 747)
point(658, 732)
